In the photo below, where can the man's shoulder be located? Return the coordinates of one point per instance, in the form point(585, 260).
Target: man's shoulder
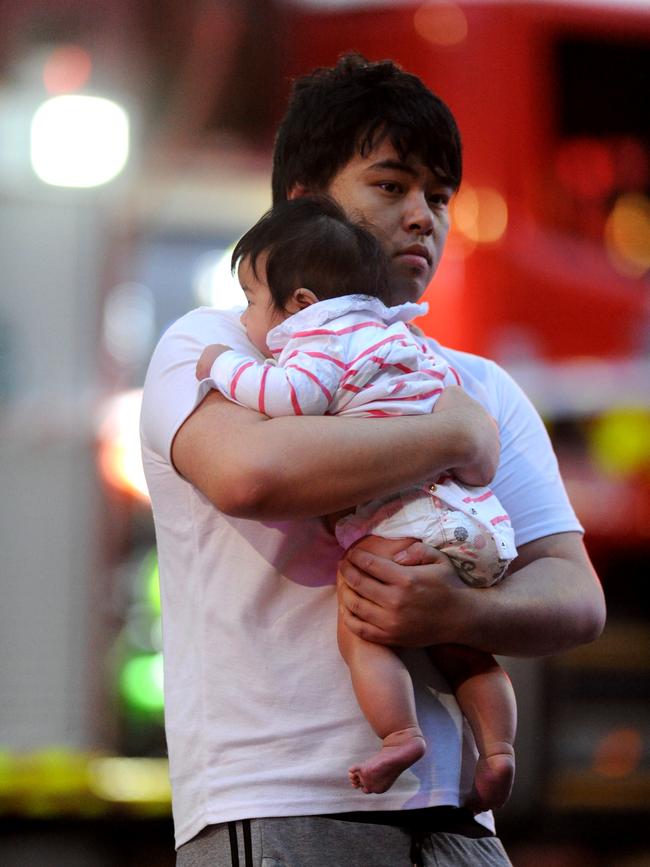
point(202, 319)
point(479, 366)
point(483, 378)
point(189, 334)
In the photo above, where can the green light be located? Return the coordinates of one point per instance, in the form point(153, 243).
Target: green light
point(141, 683)
point(151, 580)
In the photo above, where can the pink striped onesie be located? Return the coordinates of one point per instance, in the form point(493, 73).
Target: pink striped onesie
point(354, 356)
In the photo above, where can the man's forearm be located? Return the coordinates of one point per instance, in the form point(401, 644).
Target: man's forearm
point(553, 601)
point(254, 467)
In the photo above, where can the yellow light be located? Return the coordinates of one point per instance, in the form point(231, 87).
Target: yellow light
point(79, 141)
point(620, 440)
point(151, 580)
point(441, 23)
point(129, 780)
point(480, 214)
point(120, 459)
point(627, 234)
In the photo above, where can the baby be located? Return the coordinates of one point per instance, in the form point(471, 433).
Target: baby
point(316, 284)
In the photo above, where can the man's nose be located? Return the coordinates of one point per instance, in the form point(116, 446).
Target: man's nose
point(242, 318)
point(417, 214)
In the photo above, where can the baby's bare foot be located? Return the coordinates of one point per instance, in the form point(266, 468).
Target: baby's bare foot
point(399, 751)
point(493, 779)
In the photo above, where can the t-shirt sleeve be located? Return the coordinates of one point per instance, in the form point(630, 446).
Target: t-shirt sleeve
point(171, 391)
point(528, 480)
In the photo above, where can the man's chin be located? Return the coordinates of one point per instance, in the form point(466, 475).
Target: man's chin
point(404, 289)
point(408, 285)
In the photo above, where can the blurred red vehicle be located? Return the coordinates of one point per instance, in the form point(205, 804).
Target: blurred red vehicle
point(550, 249)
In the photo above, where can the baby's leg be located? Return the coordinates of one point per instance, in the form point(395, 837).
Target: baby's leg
point(384, 691)
point(486, 698)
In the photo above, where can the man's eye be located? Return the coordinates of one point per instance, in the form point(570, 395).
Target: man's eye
point(390, 187)
point(439, 199)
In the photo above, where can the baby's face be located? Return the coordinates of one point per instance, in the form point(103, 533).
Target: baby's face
point(261, 315)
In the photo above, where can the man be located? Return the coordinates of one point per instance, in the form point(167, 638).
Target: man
point(261, 719)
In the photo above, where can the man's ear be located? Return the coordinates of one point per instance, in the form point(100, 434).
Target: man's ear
point(300, 299)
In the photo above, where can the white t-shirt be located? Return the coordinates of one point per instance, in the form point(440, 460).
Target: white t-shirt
point(260, 715)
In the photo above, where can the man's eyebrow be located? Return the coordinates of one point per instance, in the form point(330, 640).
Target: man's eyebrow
point(397, 165)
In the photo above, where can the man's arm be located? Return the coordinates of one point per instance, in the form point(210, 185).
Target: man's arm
point(551, 600)
point(255, 467)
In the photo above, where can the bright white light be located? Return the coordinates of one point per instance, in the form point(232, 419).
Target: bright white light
point(214, 284)
point(79, 141)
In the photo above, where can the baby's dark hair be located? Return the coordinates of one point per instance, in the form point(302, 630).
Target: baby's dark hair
point(310, 243)
point(335, 113)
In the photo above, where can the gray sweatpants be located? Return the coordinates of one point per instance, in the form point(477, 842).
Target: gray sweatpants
point(319, 841)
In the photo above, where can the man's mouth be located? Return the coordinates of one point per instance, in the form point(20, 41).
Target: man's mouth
point(416, 255)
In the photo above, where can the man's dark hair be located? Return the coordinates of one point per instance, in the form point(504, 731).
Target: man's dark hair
point(351, 107)
point(310, 243)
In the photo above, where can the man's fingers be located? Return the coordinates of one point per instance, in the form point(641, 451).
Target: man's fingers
point(382, 570)
point(419, 554)
point(361, 583)
point(367, 631)
point(362, 607)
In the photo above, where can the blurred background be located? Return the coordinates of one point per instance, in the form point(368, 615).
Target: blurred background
point(135, 147)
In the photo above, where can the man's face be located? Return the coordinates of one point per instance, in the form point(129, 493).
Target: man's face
point(405, 205)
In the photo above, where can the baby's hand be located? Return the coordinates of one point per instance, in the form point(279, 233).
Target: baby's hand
point(416, 330)
point(207, 359)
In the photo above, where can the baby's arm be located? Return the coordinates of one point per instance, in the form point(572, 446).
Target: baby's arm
point(207, 359)
point(303, 386)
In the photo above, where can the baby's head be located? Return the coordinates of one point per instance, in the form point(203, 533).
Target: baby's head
point(302, 251)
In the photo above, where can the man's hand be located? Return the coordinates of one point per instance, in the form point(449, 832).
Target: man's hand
point(551, 601)
point(401, 603)
point(481, 452)
point(207, 359)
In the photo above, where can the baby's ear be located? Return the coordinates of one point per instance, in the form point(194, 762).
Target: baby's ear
point(300, 299)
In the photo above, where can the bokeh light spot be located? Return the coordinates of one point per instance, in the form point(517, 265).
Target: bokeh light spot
point(141, 682)
point(480, 214)
point(627, 234)
point(619, 440)
point(441, 23)
point(135, 780)
point(618, 753)
point(79, 141)
point(129, 323)
point(214, 283)
point(151, 577)
point(67, 68)
point(120, 458)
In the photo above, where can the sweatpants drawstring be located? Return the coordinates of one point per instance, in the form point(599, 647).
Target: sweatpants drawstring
point(417, 838)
